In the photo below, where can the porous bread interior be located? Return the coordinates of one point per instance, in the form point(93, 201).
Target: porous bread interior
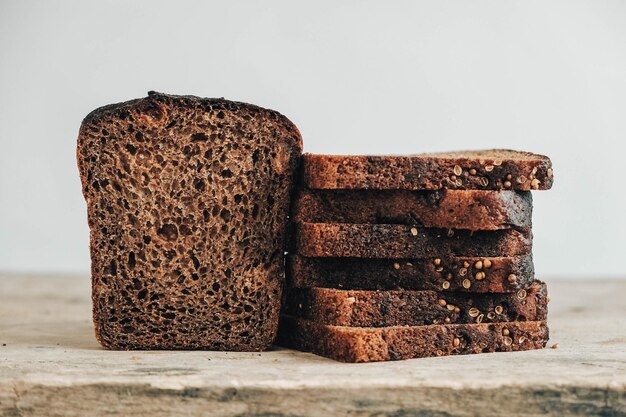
point(187, 201)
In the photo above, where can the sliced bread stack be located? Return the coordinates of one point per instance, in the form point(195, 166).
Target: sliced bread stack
point(397, 257)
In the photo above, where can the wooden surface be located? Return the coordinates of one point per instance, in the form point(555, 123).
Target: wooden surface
point(51, 365)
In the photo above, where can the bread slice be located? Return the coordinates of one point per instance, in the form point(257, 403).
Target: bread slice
point(482, 170)
point(372, 344)
point(414, 308)
point(450, 209)
point(187, 202)
point(394, 241)
point(480, 275)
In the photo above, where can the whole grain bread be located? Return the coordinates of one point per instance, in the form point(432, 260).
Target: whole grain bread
point(482, 170)
point(371, 344)
point(187, 202)
point(357, 308)
point(451, 209)
point(481, 275)
point(396, 241)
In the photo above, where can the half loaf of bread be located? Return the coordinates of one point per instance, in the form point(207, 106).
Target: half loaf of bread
point(187, 203)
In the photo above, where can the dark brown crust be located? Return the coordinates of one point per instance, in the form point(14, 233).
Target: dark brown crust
point(505, 274)
point(401, 241)
point(187, 202)
point(414, 308)
point(481, 170)
point(450, 209)
point(372, 344)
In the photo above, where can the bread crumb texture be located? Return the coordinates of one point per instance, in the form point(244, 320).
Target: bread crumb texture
point(187, 204)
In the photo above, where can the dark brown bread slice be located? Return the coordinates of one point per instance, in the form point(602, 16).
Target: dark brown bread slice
point(372, 344)
point(414, 308)
point(187, 202)
point(482, 170)
point(396, 241)
point(450, 209)
point(481, 275)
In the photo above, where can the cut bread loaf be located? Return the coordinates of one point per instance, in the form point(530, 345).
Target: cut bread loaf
point(187, 203)
point(491, 274)
point(395, 241)
point(371, 344)
point(450, 209)
point(414, 308)
point(482, 170)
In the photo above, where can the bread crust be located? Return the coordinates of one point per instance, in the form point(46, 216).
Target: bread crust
point(450, 273)
point(357, 308)
point(448, 209)
point(395, 241)
point(494, 169)
point(373, 344)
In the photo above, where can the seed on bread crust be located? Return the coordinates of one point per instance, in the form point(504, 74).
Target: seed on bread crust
point(534, 184)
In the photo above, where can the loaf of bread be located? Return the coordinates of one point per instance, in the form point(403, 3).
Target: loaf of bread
point(371, 344)
point(472, 274)
point(448, 209)
point(357, 308)
point(187, 203)
point(394, 241)
point(482, 170)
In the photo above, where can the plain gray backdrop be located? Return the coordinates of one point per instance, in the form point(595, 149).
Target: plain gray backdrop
point(357, 77)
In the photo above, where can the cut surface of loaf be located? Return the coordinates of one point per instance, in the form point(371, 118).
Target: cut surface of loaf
point(414, 308)
point(372, 344)
point(187, 202)
point(475, 274)
point(449, 209)
point(482, 170)
point(395, 241)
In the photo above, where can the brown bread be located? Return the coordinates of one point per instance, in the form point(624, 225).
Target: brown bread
point(465, 170)
point(449, 209)
point(357, 308)
point(372, 344)
point(482, 275)
point(187, 203)
point(395, 241)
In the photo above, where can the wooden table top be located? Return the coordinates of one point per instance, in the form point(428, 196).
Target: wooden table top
point(52, 365)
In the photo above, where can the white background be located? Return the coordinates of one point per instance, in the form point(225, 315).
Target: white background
point(355, 76)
